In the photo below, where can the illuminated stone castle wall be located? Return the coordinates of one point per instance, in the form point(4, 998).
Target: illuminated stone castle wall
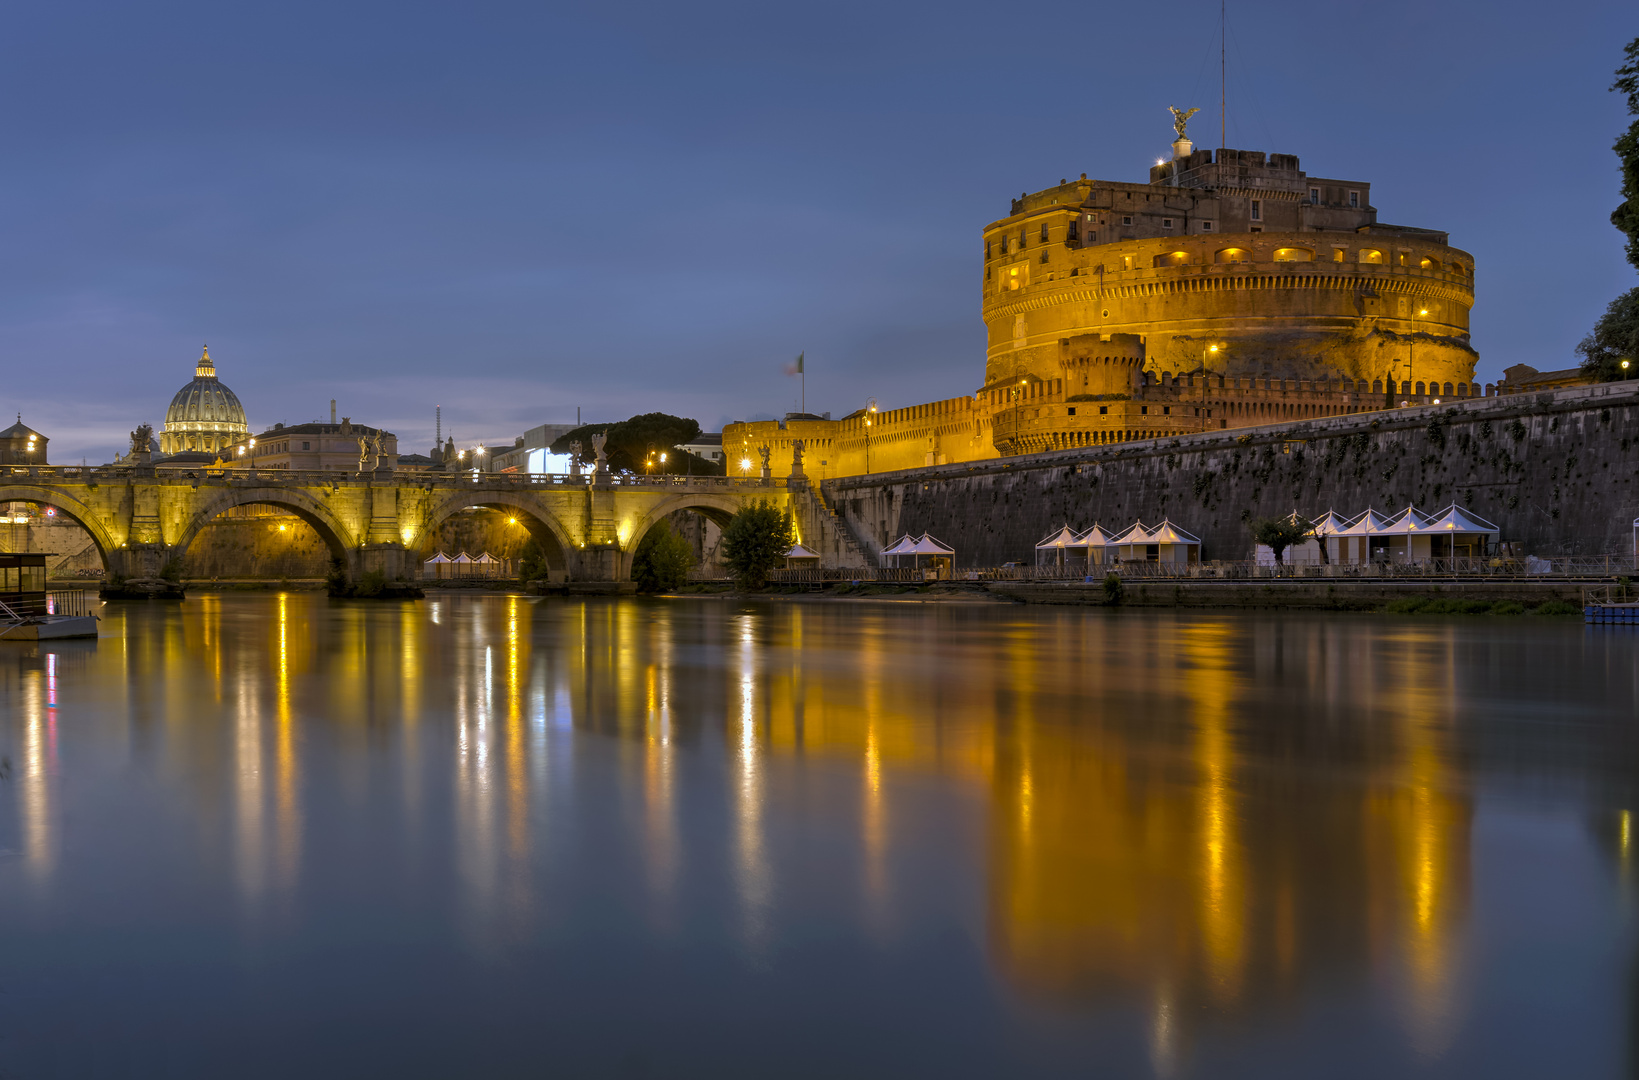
point(1231, 290)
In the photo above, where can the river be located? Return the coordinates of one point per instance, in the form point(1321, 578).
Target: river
point(273, 835)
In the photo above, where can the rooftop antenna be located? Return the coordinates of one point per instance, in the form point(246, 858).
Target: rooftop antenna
point(332, 410)
point(438, 425)
point(1223, 76)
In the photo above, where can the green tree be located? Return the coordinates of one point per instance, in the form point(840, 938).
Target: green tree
point(662, 560)
point(1615, 338)
point(532, 564)
point(630, 442)
point(1278, 534)
point(756, 541)
point(1626, 216)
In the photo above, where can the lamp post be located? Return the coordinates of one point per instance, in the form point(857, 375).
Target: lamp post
point(870, 411)
point(1625, 369)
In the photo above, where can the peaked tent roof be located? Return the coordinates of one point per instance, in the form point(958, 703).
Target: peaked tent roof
point(440, 557)
point(927, 545)
point(1331, 523)
point(799, 552)
point(1064, 537)
point(1093, 537)
point(1168, 533)
point(1367, 524)
point(486, 557)
point(1136, 533)
point(1455, 519)
point(905, 545)
point(463, 557)
point(1408, 521)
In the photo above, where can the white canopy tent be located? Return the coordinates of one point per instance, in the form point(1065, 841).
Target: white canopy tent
point(1097, 543)
point(436, 567)
point(1170, 544)
point(938, 555)
point(800, 558)
point(1053, 548)
point(1131, 544)
point(1356, 542)
point(1407, 534)
point(1457, 532)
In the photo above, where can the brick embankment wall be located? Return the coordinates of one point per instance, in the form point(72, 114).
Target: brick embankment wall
point(1557, 472)
point(1307, 595)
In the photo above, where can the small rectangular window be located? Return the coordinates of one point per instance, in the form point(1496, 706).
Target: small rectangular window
point(1257, 209)
point(1314, 196)
point(1126, 219)
point(1206, 226)
point(1044, 232)
point(1103, 410)
point(1144, 410)
point(1072, 410)
point(304, 446)
point(1166, 223)
point(1166, 410)
point(1354, 200)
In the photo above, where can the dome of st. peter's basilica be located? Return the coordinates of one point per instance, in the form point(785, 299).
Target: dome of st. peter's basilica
point(204, 416)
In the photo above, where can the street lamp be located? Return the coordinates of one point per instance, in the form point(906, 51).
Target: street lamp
point(870, 411)
point(1624, 369)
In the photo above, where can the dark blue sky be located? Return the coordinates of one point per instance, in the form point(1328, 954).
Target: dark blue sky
point(514, 209)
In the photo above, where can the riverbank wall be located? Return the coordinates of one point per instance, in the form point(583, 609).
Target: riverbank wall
point(1557, 472)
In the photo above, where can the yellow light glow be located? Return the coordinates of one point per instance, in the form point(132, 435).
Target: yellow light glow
point(1423, 312)
point(283, 527)
point(662, 459)
point(512, 521)
point(253, 442)
point(745, 463)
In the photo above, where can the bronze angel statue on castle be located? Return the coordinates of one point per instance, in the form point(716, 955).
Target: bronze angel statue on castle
point(1180, 117)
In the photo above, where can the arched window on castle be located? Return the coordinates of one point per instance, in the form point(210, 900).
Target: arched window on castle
point(1427, 263)
point(1232, 255)
point(1370, 255)
point(1172, 258)
point(1294, 254)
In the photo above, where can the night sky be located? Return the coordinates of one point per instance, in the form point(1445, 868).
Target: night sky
point(515, 209)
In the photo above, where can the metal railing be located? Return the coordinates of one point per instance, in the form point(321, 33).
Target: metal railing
point(72, 602)
point(96, 473)
point(1584, 567)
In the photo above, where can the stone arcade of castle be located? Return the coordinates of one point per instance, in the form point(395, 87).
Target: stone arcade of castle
point(1231, 290)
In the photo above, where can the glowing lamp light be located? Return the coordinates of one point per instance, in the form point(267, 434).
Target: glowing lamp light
point(662, 459)
point(282, 528)
point(512, 521)
point(1436, 401)
point(745, 464)
point(253, 442)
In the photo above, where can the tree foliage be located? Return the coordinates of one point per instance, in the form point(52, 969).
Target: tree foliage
point(1626, 216)
point(532, 564)
point(663, 559)
point(756, 541)
point(1615, 338)
point(629, 442)
point(1278, 534)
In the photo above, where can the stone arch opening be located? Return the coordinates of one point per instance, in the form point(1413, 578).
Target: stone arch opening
point(299, 541)
point(71, 508)
point(538, 523)
point(712, 511)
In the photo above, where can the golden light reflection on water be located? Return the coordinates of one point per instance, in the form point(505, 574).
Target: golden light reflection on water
point(1156, 814)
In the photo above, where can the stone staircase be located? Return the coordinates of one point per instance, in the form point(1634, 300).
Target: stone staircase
point(824, 531)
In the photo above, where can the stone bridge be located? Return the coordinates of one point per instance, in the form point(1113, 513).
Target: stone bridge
point(588, 526)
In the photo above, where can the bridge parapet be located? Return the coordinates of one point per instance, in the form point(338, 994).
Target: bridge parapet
point(142, 518)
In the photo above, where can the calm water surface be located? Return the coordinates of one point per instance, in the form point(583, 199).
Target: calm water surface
point(497, 836)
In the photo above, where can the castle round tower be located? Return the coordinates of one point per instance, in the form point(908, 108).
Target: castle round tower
point(1231, 262)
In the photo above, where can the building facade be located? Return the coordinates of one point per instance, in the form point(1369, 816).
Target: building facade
point(204, 417)
point(22, 445)
point(1232, 289)
point(316, 448)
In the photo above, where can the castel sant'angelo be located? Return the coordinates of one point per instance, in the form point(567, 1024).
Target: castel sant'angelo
point(1232, 289)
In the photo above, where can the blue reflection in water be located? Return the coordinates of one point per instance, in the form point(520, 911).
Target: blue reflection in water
point(499, 835)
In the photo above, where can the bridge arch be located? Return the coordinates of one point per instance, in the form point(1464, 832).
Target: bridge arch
point(717, 509)
point(82, 515)
point(341, 540)
point(537, 519)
